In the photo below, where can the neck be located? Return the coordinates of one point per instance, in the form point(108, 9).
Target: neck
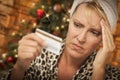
point(72, 62)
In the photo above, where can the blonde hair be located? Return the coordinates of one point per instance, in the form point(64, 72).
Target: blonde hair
point(93, 6)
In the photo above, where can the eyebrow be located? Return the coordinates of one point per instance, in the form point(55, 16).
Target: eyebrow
point(95, 27)
point(98, 27)
point(75, 20)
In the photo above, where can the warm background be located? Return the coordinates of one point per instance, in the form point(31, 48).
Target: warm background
point(19, 17)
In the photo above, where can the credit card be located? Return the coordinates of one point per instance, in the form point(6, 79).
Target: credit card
point(54, 43)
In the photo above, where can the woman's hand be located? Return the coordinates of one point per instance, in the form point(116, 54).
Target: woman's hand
point(29, 48)
point(108, 45)
point(104, 53)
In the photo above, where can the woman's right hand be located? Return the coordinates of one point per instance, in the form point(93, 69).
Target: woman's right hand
point(30, 47)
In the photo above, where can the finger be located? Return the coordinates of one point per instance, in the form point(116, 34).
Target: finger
point(32, 44)
point(104, 40)
point(109, 33)
point(23, 54)
point(108, 42)
point(29, 43)
point(110, 39)
point(29, 49)
point(34, 37)
point(108, 30)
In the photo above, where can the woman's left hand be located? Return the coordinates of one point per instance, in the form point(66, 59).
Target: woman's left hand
point(108, 45)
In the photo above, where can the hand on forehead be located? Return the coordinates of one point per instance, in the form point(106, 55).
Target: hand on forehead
point(109, 7)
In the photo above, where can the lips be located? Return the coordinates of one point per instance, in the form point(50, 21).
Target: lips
point(77, 47)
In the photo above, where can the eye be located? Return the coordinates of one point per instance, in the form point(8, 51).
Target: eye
point(76, 24)
point(96, 33)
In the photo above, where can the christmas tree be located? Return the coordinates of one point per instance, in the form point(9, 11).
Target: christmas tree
point(50, 15)
point(56, 16)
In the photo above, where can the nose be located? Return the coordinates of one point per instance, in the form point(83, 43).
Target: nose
point(81, 38)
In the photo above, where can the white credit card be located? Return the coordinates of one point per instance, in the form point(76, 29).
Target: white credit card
point(54, 43)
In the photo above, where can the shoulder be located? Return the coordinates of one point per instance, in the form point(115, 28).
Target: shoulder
point(112, 73)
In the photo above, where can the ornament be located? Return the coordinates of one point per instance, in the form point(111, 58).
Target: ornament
point(55, 33)
point(57, 7)
point(2, 65)
point(40, 13)
point(10, 59)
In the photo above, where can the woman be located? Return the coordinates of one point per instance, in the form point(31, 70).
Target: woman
point(89, 27)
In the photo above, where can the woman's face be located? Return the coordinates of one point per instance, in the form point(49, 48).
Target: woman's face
point(84, 33)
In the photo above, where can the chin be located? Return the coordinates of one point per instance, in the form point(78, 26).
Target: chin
point(73, 53)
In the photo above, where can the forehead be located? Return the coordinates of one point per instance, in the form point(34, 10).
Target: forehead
point(87, 15)
point(88, 9)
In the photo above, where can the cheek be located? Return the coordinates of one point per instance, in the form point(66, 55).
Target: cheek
point(93, 43)
point(71, 33)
